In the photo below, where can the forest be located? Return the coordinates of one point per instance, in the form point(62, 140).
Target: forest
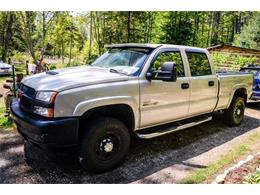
point(79, 37)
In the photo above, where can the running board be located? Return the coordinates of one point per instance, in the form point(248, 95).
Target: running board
point(176, 127)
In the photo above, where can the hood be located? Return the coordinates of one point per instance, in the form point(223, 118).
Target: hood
point(67, 78)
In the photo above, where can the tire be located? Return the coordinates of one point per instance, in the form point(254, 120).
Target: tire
point(104, 145)
point(234, 115)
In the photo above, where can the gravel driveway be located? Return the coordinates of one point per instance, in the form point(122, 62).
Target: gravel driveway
point(165, 159)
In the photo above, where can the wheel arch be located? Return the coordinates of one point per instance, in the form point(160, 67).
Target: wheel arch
point(122, 112)
point(239, 92)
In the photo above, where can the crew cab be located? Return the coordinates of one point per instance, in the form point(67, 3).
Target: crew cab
point(132, 90)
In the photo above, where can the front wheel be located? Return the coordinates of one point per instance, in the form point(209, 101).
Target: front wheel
point(104, 144)
point(234, 115)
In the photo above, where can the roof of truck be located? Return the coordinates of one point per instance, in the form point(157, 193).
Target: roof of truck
point(151, 46)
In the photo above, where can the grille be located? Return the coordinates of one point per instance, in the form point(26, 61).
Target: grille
point(26, 101)
point(26, 104)
point(28, 91)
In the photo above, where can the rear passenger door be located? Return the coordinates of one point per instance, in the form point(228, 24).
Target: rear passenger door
point(203, 83)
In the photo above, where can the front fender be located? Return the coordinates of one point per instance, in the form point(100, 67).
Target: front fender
point(86, 105)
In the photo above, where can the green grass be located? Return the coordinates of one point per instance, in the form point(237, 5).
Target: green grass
point(201, 175)
point(5, 123)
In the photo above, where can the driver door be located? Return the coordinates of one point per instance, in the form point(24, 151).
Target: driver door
point(162, 101)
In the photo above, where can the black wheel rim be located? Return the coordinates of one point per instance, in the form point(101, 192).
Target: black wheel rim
point(107, 147)
point(238, 112)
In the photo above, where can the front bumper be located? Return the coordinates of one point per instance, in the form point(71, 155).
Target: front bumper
point(43, 132)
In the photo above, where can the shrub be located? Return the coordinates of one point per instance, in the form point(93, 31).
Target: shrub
point(52, 67)
point(253, 178)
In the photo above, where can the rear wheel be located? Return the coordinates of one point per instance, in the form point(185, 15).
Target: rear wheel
point(104, 145)
point(234, 115)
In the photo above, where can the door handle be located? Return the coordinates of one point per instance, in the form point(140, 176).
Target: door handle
point(211, 83)
point(185, 85)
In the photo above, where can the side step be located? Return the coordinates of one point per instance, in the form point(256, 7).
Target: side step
point(166, 129)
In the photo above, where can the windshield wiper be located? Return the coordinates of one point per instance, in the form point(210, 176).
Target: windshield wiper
point(116, 71)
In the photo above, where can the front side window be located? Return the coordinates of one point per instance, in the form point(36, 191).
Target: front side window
point(126, 60)
point(169, 56)
point(199, 64)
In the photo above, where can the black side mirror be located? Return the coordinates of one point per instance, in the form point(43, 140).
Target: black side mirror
point(167, 73)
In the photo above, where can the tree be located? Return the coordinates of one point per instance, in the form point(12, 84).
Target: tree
point(70, 34)
point(7, 35)
point(250, 34)
point(26, 28)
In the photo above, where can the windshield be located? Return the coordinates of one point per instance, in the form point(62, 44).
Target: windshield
point(127, 60)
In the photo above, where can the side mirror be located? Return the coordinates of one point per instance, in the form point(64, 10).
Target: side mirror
point(167, 73)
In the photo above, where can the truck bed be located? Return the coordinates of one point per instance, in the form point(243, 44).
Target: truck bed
point(228, 83)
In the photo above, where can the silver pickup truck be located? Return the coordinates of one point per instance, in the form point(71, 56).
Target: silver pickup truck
point(132, 90)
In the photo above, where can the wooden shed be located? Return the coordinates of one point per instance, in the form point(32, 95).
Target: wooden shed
point(228, 57)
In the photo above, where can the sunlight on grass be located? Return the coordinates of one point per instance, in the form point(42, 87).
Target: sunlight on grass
point(5, 124)
point(201, 175)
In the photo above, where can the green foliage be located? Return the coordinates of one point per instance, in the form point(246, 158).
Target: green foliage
point(219, 58)
point(177, 28)
point(20, 56)
point(253, 178)
point(232, 61)
point(5, 122)
point(250, 34)
point(80, 37)
point(52, 67)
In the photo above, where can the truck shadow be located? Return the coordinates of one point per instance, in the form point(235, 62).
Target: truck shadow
point(254, 105)
point(145, 156)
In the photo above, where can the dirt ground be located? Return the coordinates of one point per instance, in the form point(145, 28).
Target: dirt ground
point(166, 159)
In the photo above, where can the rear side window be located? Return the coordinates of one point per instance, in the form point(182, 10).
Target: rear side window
point(199, 64)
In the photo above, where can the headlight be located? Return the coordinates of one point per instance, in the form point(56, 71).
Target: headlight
point(47, 112)
point(46, 96)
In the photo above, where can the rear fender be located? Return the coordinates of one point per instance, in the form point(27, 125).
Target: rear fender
point(237, 87)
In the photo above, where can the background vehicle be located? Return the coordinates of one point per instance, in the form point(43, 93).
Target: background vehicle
point(133, 89)
point(5, 69)
point(256, 85)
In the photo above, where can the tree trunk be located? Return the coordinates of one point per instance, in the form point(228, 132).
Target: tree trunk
point(70, 49)
point(8, 35)
point(209, 29)
point(215, 27)
point(195, 31)
point(62, 50)
point(128, 26)
point(90, 35)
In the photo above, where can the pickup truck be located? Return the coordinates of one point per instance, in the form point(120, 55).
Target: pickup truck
point(132, 90)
